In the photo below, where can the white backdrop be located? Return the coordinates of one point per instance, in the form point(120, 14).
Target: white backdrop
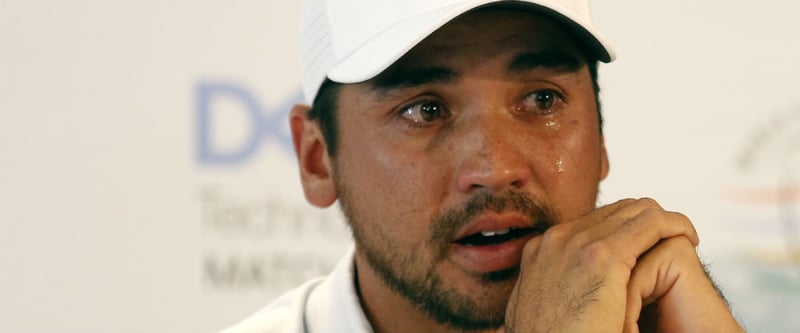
point(147, 183)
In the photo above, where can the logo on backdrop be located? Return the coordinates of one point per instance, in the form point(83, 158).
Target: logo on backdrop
point(263, 243)
point(773, 153)
point(258, 241)
point(216, 101)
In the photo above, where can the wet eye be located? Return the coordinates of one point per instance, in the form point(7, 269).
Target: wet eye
point(425, 112)
point(544, 101)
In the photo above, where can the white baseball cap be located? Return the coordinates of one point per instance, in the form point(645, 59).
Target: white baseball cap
point(351, 41)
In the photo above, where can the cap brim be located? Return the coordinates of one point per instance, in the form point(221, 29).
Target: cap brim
point(380, 52)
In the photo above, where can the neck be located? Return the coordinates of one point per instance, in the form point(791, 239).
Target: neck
point(386, 310)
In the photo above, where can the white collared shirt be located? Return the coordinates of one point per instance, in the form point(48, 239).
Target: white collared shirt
point(320, 305)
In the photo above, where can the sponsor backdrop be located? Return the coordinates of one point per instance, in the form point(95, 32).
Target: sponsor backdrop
point(148, 184)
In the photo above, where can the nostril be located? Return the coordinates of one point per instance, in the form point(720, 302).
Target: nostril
point(475, 187)
point(492, 179)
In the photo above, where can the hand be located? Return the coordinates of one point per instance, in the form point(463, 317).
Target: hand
point(671, 284)
point(575, 277)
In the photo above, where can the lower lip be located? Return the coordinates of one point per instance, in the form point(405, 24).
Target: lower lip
point(490, 258)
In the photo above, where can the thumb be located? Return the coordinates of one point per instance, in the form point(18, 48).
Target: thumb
point(650, 280)
point(516, 317)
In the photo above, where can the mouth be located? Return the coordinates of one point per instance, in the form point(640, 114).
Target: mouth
point(494, 237)
point(494, 242)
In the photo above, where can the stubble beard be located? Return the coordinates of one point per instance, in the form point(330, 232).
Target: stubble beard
point(413, 275)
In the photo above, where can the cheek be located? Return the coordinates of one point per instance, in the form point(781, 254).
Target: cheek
point(582, 141)
point(390, 183)
point(570, 171)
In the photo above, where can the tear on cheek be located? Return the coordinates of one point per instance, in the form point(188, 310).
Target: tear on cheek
point(560, 165)
point(552, 125)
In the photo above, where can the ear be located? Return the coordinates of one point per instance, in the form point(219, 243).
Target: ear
point(604, 165)
point(310, 147)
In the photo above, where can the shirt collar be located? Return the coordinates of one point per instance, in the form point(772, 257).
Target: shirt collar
point(333, 305)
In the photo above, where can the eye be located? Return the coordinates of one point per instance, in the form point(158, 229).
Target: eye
point(543, 102)
point(425, 112)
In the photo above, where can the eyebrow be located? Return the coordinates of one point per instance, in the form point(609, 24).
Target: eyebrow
point(546, 58)
point(403, 78)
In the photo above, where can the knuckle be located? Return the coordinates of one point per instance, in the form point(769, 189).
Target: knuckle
point(681, 217)
point(626, 201)
point(648, 202)
point(556, 234)
point(684, 221)
point(652, 214)
point(680, 248)
point(597, 251)
point(554, 239)
point(529, 250)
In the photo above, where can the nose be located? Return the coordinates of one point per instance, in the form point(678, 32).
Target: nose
point(492, 159)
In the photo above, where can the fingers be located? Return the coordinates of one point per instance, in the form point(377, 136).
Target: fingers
point(655, 275)
point(607, 210)
point(671, 276)
point(599, 254)
point(647, 215)
point(626, 228)
point(647, 227)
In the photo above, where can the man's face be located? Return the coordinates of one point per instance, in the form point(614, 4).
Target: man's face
point(449, 161)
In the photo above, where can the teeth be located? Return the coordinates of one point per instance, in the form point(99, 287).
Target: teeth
point(488, 233)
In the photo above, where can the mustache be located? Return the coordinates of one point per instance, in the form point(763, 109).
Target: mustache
point(445, 225)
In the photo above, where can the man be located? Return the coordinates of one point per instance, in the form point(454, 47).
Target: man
point(463, 141)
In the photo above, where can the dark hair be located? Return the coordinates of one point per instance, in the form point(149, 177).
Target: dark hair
point(324, 112)
point(325, 108)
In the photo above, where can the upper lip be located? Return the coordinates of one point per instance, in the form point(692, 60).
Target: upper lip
point(494, 221)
